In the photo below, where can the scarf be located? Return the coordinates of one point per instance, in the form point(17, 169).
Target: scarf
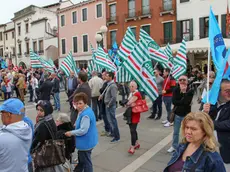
point(43, 119)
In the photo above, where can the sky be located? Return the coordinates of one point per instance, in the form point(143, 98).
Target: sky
point(9, 7)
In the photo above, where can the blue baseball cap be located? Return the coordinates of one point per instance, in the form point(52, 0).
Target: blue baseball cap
point(14, 106)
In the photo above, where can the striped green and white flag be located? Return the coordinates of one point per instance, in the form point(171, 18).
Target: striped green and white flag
point(169, 54)
point(127, 45)
point(68, 65)
point(154, 50)
point(140, 67)
point(180, 61)
point(123, 75)
point(181, 58)
point(102, 59)
point(34, 60)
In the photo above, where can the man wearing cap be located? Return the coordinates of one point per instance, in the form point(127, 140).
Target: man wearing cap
point(15, 137)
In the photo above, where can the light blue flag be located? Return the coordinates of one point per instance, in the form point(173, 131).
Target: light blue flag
point(219, 57)
point(113, 54)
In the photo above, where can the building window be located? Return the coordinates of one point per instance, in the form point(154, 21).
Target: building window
point(113, 37)
point(85, 43)
point(75, 44)
point(19, 30)
point(84, 14)
point(27, 47)
point(0, 36)
point(40, 46)
point(35, 46)
point(63, 51)
point(99, 10)
point(181, 1)
point(62, 20)
point(167, 4)
point(6, 36)
point(146, 29)
point(112, 12)
point(27, 28)
point(19, 49)
point(167, 32)
point(1, 52)
point(132, 9)
point(134, 31)
point(186, 30)
point(12, 35)
point(74, 17)
point(145, 7)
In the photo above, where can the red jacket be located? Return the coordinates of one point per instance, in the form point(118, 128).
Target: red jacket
point(170, 84)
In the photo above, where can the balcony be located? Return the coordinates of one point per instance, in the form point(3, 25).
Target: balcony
point(132, 15)
point(167, 8)
point(112, 20)
point(145, 13)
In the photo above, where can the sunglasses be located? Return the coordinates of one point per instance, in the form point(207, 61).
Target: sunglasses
point(182, 80)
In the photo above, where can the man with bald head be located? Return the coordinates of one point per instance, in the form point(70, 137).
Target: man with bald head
point(71, 85)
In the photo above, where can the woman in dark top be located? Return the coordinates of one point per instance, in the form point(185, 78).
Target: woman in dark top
point(42, 133)
point(197, 152)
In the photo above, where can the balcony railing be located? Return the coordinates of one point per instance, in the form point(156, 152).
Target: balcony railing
point(168, 8)
point(131, 16)
point(112, 20)
point(145, 12)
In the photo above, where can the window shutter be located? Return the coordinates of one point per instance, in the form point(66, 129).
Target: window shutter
point(178, 32)
point(223, 25)
point(191, 29)
point(201, 27)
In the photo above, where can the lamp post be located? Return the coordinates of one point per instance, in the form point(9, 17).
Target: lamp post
point(103, 30)
point(98, 38)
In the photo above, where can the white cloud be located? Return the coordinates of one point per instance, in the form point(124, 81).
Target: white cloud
point(9, 7)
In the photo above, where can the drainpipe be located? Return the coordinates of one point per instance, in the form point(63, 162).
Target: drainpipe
point(58, 35)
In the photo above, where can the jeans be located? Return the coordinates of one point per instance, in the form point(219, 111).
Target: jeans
point(157, 104)
point(104, 116)
point(85, 162)
point(57, 101)
point(111, 115)
point(69, 93)
point(30, 167)
point(31, 95)
point(96, 107)
point(176, 130)
point(133, 132)
point(168, 103)
point(7, 95)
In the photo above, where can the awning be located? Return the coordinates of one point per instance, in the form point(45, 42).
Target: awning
point(197, 46)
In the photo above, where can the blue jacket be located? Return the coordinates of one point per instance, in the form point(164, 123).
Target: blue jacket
point(90, 139)
point(30, 123)
point(211, 161)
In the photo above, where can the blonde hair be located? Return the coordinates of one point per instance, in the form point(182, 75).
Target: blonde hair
point(206, 124)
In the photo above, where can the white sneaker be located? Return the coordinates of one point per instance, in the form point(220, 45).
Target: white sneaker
point(168, 124)
point(164, 122)
point(170, 150)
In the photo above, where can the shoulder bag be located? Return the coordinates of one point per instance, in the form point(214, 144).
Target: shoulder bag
point(140, 106)
point(51, 153)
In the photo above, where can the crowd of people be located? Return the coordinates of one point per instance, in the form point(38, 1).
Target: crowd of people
point(95, 99)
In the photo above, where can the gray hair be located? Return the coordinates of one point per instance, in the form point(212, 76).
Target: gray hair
point(63, 118)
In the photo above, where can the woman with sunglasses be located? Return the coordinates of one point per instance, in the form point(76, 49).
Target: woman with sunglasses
point(42, 133)
point(181, 99)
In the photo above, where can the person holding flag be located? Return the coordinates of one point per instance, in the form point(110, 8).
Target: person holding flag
point(217, 103)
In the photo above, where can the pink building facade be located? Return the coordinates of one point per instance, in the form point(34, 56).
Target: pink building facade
point(77, 27)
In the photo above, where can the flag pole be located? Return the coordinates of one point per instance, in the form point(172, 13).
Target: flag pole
point(155, 65)
point(208, 74)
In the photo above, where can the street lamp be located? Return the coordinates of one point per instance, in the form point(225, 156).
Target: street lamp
point(98, 38)
point(103, 30)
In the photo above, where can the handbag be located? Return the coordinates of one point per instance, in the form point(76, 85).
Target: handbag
point(172, 115)
point(51, 153)
point(140, 106)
